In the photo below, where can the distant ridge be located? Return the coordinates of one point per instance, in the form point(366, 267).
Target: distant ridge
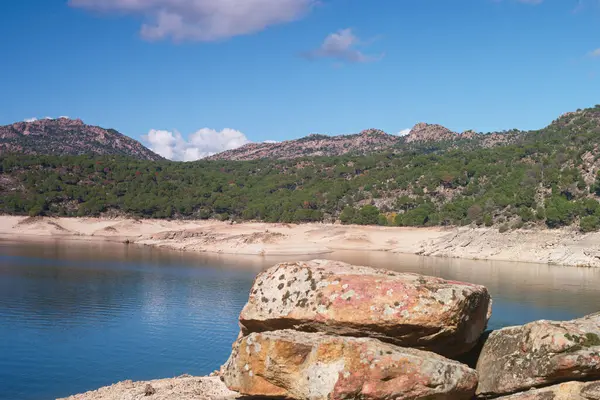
point(432, 176)
point(367, 142)
point(64, 136)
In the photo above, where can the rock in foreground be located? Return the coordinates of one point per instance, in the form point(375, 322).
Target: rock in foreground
point(564, 391)
point(538, 354)
point(408, 310)
point(315, 366)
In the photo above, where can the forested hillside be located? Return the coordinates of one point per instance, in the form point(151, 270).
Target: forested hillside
point(547, 177)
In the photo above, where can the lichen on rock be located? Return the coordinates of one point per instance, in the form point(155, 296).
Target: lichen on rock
point(410, 310)
point(317, 366)
point(539, 354)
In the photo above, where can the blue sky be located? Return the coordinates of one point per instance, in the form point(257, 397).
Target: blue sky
point(176, 73)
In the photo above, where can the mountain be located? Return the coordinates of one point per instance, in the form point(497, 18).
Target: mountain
point(544, 178)
point(423, 132)
point(64, 136)
point(369, 141)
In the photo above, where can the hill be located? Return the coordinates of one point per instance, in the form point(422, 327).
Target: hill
point(367, 142)
point(510, 180)
point(64, 136)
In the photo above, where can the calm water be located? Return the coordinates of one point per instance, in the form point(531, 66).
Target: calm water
point(77, 317)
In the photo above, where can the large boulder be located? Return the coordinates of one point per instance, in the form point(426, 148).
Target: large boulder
point(564, 391)
point(539, 354)
point(315, 366)
point(405, 309)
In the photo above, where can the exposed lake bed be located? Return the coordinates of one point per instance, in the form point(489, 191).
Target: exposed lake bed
point(77, 316)
point(564, 246)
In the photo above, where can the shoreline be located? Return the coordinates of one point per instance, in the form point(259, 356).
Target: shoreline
point(566, 246)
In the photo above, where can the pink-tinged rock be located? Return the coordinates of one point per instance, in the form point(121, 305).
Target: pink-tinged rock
point(408, 310)
point(564, 391)
point(316, 366)
point(539, 354)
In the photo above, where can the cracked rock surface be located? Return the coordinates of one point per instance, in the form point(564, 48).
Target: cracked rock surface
point(539, 354)
point(317, 366)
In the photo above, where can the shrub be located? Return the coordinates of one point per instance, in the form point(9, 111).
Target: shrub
point(526, 214)
point(488, 220)
point(589, 206)
point(304, 215)
point(559, 212)
point(590, 223)
point(222, 217)
point(347, 215)
point(416, 217)
point(367, 215)
point(36, 211)
point(540, 213)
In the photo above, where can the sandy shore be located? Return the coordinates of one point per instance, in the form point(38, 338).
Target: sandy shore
point(563, 247)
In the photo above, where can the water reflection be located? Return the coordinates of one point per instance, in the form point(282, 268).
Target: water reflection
point(78, 316)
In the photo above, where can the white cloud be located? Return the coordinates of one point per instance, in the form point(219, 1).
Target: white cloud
point(200, 144)
point(165, 143)
point(403, 132)
point(595, 53)
point(202, 20)
point(270, 141)
point(35, 119)
point(341, 45)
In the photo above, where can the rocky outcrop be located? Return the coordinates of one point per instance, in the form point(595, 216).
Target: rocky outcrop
point(564, 391)
point(539, 354)
point(469, 134)
point(318, 367)
point(423, 132)
point(65, 136)
point(365, 142)
point(408, 310)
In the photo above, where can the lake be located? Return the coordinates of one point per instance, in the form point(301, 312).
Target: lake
point(78, 316)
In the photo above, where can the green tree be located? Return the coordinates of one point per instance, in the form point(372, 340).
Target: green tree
point(347, 215)
point(367, 215)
